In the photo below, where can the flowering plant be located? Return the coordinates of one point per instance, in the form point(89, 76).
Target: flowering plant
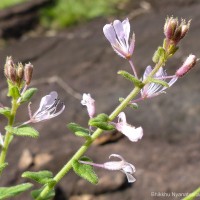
point(151, 84)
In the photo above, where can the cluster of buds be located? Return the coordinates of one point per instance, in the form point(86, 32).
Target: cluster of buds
point(175, 31)
point(17, 74)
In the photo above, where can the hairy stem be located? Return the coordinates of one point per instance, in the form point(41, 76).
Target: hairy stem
point(193, 195)
point(95, 135)
point(8, 134)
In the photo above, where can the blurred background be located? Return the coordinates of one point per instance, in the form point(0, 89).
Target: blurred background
point(64, 41)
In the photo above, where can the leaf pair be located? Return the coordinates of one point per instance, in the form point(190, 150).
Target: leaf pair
point(43, 177)
point(101, 121)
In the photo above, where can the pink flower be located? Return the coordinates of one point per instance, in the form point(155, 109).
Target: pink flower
point(121, 165)
point(154, 89)
point(48, 108)
point(117, 34)
point(189, 63)
point(89, 102)
point(133, 134)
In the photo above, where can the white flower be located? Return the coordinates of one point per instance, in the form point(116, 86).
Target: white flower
point(121, 165)
point(48, 108)
point(154, 89)
point(133, 134)
point(117, 34)
point(89, 102)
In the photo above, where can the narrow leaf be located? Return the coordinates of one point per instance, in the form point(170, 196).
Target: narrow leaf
point(8, 192)
point(78, 130)
point(5, 111)
point(158, 81)
point(24, 130)
point(28, 94)
point(3, 166)
point(41, 177)
point(131, 78)
point(85, 171)
point(49, 196)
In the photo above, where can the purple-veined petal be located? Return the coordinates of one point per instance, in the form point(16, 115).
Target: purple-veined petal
point(47, 101)
point(126, 27)
point(119, 29)
point(109, 33)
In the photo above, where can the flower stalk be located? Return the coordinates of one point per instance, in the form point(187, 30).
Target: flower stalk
point(8, 134)
point(96, 134)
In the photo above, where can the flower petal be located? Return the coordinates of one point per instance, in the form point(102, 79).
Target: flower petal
point(122, 118)
point(109, 33)
point(130, 178)
point(126, 27)
point(119, 29)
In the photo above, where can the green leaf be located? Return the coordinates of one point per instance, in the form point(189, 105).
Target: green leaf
point(85, 171)
point(159, 55)
point(41, 177)
point(78, 130)
point(101, 121)
point(8, 192)
point(23, 130)
point(3, 166)
point(131, 78)
point(28, 94)
point(50, 195)
point(131, 105)
point(13, 90)
point(158, 81)
point(5, 111)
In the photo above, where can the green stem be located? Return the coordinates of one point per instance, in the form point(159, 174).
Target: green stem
point(95, 135)
point(193, 195)
point(8, 134)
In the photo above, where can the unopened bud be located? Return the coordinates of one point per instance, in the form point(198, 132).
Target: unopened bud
point(175, 31)
point(187, 65)
point(184, 28)
point(9, 70)
point(170, 27)
point(20, 71)
point(28, 71)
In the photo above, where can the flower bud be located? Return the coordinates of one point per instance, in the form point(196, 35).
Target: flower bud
point(9, 70)
point(20, 71)
point(184, 28)
point(187, 65)
point(28, 71)
point(175, 31)
point(170, 27)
